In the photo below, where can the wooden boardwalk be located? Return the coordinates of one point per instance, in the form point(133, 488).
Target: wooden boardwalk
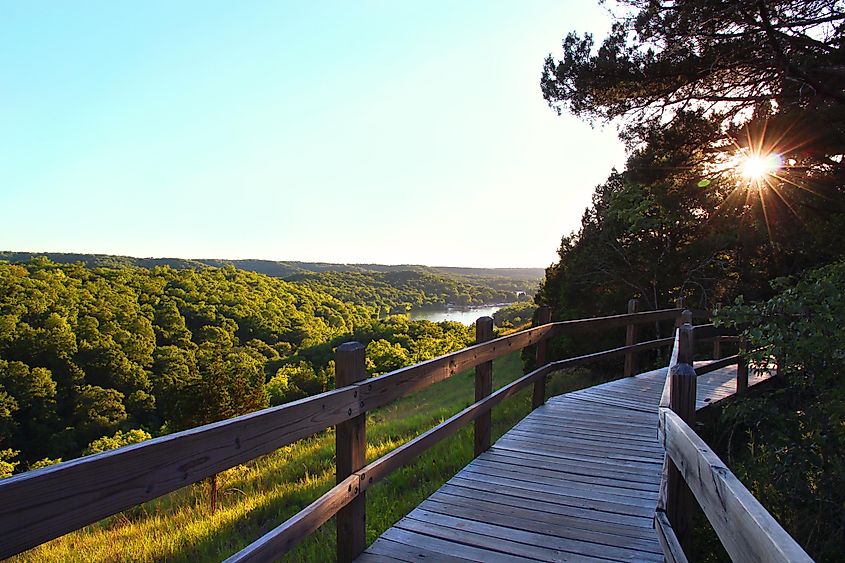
point(576, 480)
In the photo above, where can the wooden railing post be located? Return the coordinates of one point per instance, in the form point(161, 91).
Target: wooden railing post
point(544, 316)
point(351, 450)
point(686, 342)
point(483, 387)
point(717, 348)
point(631, 357)
point(679, 500)
point(742, 369)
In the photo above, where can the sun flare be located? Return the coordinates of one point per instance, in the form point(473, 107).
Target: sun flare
point(756, 167)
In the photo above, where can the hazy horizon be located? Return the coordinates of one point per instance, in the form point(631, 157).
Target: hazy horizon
point(284, 260)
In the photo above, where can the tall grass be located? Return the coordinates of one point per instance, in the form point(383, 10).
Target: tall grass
point(258, 496)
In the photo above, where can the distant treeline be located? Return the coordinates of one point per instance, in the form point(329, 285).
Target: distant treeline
point(399, 292)
point(278, 269)
point(91, 358)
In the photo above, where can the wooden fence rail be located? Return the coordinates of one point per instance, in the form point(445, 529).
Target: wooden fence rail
point(40, 505)
point(693, 471)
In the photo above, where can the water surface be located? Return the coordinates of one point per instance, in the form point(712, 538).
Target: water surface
point(464, 315)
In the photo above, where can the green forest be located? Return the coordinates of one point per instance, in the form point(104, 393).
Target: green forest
point(99, 357)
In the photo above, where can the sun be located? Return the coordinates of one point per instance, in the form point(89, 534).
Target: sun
point(756, 167)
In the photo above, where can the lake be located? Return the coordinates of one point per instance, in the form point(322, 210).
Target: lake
point(465, 315)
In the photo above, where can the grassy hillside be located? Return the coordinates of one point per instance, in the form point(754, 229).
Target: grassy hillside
point(260, 495)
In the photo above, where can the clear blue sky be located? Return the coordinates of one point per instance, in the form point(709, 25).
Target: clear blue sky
point(377, 131)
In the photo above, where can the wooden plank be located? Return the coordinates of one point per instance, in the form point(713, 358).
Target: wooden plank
point(747, 531)
point(446, 547)
point(285, 537)
point(390, 550)
point(580, 405)
point(577, 419)
point(405, 453)
point(626, 438)
point(596, 482)
point(672, 551)
point(592, 409)
point(579, 429)
point(79, 492)
point(632, 442)
point(580, 541)
point(584, 490)
point(560, 504)
point(559, 515)
point(351, 455)
point(625, 476)
point(623, 397)
point(541, 522)
point(582, 465)
point(596, 454)
point(520, 447)
point(625, 405)
point(547, 492)
point(588, 443)
point(576, 410)
point(622, 393)
point(509, 542)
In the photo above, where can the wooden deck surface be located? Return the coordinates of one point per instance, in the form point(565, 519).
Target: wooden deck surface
point(576, 480)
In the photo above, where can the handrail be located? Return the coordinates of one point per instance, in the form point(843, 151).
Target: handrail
point(673, 361)
point(744, 527)
point(78, 492)
point(284, 537)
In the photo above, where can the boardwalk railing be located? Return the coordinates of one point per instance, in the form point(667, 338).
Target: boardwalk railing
point(40, 505)
point(692, 470)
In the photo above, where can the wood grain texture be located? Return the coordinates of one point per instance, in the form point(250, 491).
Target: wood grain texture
point(578, 479)
point(75, 493)
point(483, 387)
point(351, 455)
point(672, 550)
point(747, 531)
point(679, 501)
point(631, 364)
point(383, 466)
point(544, 315)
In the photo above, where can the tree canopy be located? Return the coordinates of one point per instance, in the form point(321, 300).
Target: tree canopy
point(724, 56)
point(94, 358)
point(699, 89)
